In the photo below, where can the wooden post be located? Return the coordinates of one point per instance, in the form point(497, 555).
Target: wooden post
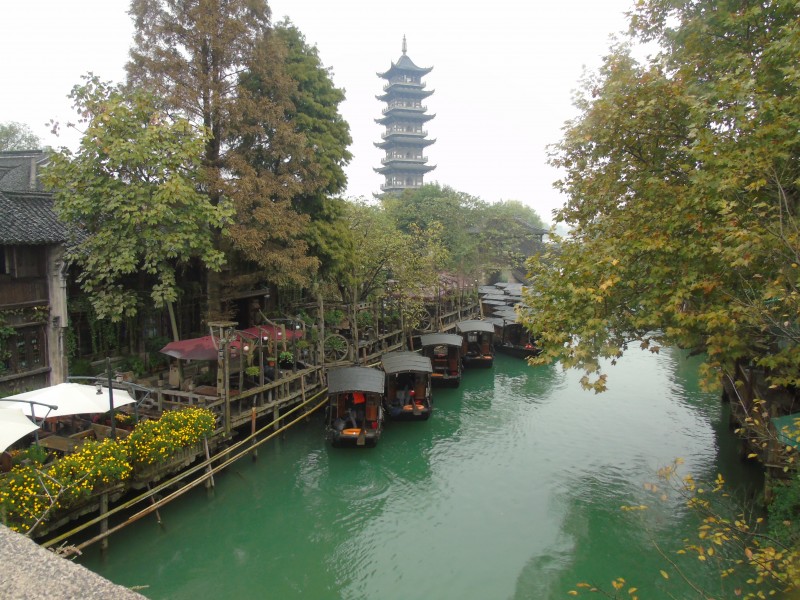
point(104, 522)
point(210, 480)
point(253, 432)
point(152, 503)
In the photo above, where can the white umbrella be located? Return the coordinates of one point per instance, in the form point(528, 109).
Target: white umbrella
point(14, 425)
point(69, 398)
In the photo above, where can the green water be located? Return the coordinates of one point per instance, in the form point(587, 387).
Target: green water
point(511, 490)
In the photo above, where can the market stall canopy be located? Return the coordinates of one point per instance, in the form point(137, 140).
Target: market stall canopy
point(14, 425)
point(68, 398)
point(206, 347)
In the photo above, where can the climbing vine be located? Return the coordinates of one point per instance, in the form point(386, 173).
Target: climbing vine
point(10, 317)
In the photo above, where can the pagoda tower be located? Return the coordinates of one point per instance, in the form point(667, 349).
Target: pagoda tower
point(404, 139)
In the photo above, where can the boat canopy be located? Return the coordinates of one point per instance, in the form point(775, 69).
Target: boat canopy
point(355, 379)
point(474, 325)
point(441, 339)
point(404, 361)
point(788, 429)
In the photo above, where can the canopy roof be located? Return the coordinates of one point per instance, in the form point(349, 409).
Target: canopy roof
point(404, 361)
point(474, 325)
point(788, 429)
point(67, 399)
point(441, 339)
point(14, 425)
point(206, 347)
point(355, 379)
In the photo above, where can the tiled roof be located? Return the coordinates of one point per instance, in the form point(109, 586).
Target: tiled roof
point(28, 218)
point(19, 170)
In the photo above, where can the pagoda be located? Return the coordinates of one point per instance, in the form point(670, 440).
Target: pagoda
point(404, 139)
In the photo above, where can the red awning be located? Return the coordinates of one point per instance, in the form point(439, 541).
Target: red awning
point(205, 348)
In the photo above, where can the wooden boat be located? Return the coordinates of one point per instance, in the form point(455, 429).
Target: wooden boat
point(512, 339)
point(478, 343)
point(408, 386)
point(444, 350)
point(355, 411)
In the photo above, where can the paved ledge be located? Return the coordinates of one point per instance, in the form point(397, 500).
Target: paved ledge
point(30, 572)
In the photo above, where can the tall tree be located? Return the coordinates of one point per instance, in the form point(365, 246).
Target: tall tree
point(129, 194)
point(18, 136)
point(316, 114)
point(681, 174)
point(194, 54)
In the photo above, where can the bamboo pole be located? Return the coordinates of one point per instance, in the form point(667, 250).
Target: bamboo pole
point(177, 493)
point(187, 473)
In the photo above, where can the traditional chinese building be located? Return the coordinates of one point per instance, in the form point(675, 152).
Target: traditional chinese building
point(33, 297)
point(404, 140)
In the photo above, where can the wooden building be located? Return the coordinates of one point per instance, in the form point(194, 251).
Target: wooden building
point(33, 296)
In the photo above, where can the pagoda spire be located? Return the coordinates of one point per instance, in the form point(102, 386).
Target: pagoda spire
point(405, 48)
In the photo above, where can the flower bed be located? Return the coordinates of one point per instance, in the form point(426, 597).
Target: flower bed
point(34, 491)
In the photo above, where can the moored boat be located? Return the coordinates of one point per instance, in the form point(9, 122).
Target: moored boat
point(444, 351)
point(512, 338)
point(355, 411)
point(408, 385)
point(478, 343)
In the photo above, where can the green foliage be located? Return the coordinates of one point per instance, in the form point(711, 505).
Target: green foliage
point(681, 176)
point(81, 367)
point(131, 192)
point(133, 363)
point(333, 317)
point(784, 512)
point(18, 136)
point(156, 359)
point(364, 319)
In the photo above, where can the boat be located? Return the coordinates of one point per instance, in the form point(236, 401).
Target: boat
point(444, 351)
point(355, 411)
point(511, 337)
point(408, 386)
point(478, 343)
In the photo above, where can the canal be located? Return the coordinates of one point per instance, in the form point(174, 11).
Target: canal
point(511, 490)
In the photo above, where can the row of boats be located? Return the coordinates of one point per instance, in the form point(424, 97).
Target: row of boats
point(360, 398)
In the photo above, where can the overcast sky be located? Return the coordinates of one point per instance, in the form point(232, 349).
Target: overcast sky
point(503, 75)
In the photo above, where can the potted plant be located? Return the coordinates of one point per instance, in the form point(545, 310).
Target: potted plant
point(286, 359)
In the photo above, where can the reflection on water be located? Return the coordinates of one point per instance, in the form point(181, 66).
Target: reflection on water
point(511, 490)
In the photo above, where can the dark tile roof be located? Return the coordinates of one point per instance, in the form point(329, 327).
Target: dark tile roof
point(19, 170)
point(28, 218)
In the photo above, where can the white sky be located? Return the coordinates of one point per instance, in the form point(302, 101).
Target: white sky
point(503, 75)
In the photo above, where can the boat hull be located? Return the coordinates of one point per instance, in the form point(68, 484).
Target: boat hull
point(517, 351)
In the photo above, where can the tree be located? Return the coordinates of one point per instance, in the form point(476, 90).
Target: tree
point(316, 115)
point(200, 57)
point(18, 136)
point(381, 252)
point(455, 214)
point(509, 233)
point(129, 195)
point(681, 175)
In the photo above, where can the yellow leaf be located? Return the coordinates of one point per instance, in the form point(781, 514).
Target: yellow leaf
point(751, 455)
point(664, 574)
point(572, 593)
